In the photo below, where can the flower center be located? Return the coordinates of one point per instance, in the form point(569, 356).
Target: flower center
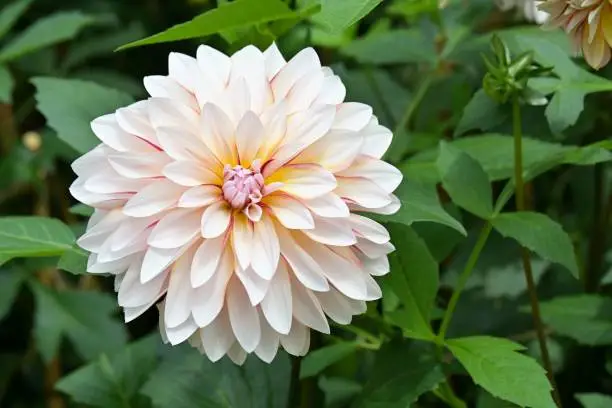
point(242, 187)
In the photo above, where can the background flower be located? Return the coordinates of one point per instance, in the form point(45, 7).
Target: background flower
point(528, 8)
point(230, 191)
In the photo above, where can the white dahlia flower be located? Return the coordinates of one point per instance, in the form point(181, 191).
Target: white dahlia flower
point(528, 8)
point(229, 196)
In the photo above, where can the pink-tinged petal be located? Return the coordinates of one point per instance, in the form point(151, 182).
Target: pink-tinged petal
point(142, 165)
point(184, 146)
point(215, 63)
point(129, 231)
point(176, 229)
point(218, 133)
point(381, 173)
point(216, 219)
point(200, 196)
point(304, 180)
point(374, 250)
point(158, 196)
point(307, 310)
point(237, 354)
point(336, 306)
point(304, 92)
point(134, 119)
point(297, 341)
point(190, 173)
point(92, 161)
point(305, 128)
point(110, 133)
point(376, 266)
point(328, 206)
point(183, 69)
point(248, 63)
point(217, 337)
point(266, 248)
point(274, 61)
point(165, 87)
point(336, 151)
point(131, 313)
point(274, 121)
point(289, 211)
point(244, 318)
point(177, 335)
point(179, 297)
point(254, 285)
point(157, 260)
point(352, 116)
point(303, 62)
point(107, 181)
point(302, 264)
point(131, 293)
point(377, 139)
point(363, 192)
point(388, 209)
point(96, 234)
point(211, 295)
point(114, 267)
point(206, 260)
point(332, 91)
point(268, 345)
point(332, 231)
point(277, 304)
point(169, 113)
point(249, 136)
point(106, 254)
point(242, 239)
point(369, 229)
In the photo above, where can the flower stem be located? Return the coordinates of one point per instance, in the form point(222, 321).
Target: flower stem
point(531, 287)
point(414, 103)
point(463, 279)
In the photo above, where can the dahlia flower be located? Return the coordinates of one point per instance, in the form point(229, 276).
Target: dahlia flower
point(230, 199)
point(589, 24)
point(528, 8)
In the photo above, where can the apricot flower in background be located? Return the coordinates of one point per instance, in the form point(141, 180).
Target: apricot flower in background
point(589, 24)
point(229, 197)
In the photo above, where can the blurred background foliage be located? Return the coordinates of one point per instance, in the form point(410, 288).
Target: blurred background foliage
point(62, 339)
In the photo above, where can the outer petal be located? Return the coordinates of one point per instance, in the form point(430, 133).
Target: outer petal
point(244, 318)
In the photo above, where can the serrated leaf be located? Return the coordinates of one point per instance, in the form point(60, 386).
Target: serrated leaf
point(6, 85)
point(239, 13)
point(584, 318)
point(70, 105)
point(74, 261)
point(393, 384)
point(391, 47)
point(414, 279)
point(316, 361)
point(496, 365)
point(10, 14)
point(465, 181)
point(337, 16)
point(10, 282)
point(113, 381)
point(33, 236)
point(541, 235)
point(197, 383)
point(593, 400)
point(480, 113)
point(420, 204)
point(47, 31)
point(83, 317)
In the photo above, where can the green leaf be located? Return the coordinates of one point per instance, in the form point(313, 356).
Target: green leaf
point(239, 13)
point(465, 181)
point(10, 282)
point(496, 366)
point(584, 318)
point(74, 261)
point(47, 31)
point(6, 85)
point(198, 383)
point(402, 372)
point(480, 113)
point(11, 13)
point(420, 204)
point(83, 317)
point(540, 234)
point(33, 236)
point(414, 279)
point(338, 391)
point(391, 47)
point(113, 381)
point(336, 16)
point(593, 400)
point(70, 105)
point(316, 361)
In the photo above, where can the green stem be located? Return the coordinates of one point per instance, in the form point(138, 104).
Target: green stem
point(448, 395)
point(463, 279)
point(414, 104)
point(526, 259)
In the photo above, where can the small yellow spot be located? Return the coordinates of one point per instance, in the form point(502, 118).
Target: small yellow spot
point(32, 141)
